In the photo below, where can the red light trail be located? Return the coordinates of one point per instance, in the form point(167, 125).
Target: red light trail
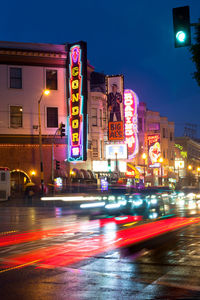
point(76, 250)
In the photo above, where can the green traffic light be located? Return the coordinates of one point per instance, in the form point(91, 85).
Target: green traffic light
point(181, 36)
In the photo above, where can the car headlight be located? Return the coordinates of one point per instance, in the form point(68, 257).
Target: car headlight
point(138, 202)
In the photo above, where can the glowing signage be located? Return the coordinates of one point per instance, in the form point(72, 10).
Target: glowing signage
point(102, 166)
point(114, 90)
point(104, 184)
point(77, 102)
point(154, 150)
point(179, 164)
point(131, 122)
point(119, 149)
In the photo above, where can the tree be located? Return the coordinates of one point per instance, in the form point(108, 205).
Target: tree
point(195, 50)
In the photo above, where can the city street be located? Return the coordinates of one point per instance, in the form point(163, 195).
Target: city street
point(48, 253)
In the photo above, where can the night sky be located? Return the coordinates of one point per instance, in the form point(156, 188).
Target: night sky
point(134, 38)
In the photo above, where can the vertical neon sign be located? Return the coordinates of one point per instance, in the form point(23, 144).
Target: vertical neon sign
point(131, 122)
point(77, 102)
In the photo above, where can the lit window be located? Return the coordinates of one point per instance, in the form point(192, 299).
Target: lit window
point(52, 117)
point(16, 116)
point(51, 80)
point(16, 78)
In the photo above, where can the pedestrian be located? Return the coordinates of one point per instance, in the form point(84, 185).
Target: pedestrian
point(28, 194)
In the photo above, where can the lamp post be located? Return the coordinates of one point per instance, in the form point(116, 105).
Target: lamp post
point(144, 156)
point(161, 167)
point(45, 92)
point(198, 170)
point(189, 174)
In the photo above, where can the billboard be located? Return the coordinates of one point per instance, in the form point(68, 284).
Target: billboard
point(77, 101)
point(120, 149)
point(102, 166)
point(179, 164)
point(115, 91)
point(131, 123)
point(154, 150)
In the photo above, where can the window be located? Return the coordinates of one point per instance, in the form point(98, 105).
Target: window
point(171, 136)
point(16, 116)
point(3, 176)
point(154, 126)
point(16, 78)
point(52, 117)
point(89, 144)
point(164, 134)
point(140, 124)
point(95, 148)
point(94, 117)
point(104, 118)
point(163, 153)
point(101, 118)
point(101, 149)
point(51, 79)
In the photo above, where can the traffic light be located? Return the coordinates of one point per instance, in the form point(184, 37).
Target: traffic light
point(181, 22)
point(57, 165)
point(109, 165)
point(62, 130)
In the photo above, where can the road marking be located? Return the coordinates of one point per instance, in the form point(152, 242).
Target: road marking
point(8, 232)
point(129, 224)
point(19, 266)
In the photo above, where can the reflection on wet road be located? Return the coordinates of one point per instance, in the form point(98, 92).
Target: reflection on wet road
point(79, 254)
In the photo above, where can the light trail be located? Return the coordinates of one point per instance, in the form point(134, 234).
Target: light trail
point(76, 250)
point(76, 226)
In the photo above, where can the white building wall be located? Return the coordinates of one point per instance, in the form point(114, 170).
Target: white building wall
point(33, 83)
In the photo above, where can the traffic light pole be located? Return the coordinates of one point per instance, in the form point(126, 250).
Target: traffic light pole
point(52, 159)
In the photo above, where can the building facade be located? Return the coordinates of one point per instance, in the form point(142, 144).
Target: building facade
point(26, 70)
point(187, 161)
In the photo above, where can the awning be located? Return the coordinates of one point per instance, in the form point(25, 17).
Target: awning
point(134, 171)
point(60, 173)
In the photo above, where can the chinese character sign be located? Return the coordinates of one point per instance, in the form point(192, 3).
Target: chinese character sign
point(154, 149)
point(131, 123)
point(77, 102)
point(115, 88)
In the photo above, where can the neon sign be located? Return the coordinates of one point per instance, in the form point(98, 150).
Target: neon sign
point(131, 123)
point(153, 149)
point(77, 102)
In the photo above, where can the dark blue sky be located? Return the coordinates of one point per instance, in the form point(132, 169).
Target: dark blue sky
point(134, 38)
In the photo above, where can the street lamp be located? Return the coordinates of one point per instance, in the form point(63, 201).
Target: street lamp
point(190, 167)
point(144, 156)
point(198, 170)
point(45, 92)
point(161, 161)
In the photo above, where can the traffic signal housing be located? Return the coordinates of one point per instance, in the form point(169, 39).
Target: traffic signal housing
point(181, 22)
point(109, 165)
point(57, 165)
point(62, 130)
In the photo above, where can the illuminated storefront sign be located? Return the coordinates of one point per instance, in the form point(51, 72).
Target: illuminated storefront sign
point(131, 122)
point(102, 166)
point(115, 88)
point(154, 150)
point(77, 102)
point(179, 164)
point(119, 149)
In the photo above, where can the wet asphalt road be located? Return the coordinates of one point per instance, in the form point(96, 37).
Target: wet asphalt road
point(45, 253)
